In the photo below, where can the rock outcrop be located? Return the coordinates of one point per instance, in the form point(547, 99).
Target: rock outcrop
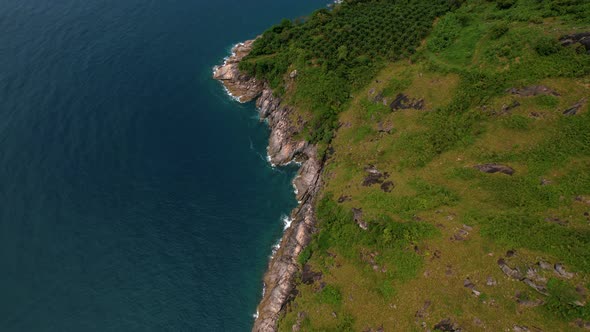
point(283, 148)
point(582, 38)
point(240, 85)
point(495, 168)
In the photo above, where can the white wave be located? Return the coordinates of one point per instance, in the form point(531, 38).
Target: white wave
point(286, 222)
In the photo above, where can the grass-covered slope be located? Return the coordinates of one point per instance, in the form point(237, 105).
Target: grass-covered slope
point(338, 51)
point(411, 234)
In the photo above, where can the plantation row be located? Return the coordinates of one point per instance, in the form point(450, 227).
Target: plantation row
point(336, 51)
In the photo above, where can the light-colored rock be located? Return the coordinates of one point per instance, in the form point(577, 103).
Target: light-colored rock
point(241, 86)
point(283, 148)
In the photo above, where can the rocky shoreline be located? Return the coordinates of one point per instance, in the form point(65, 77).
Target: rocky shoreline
point(283, 148)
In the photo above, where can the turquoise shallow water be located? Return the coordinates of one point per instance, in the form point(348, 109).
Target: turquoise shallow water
point(134, 194)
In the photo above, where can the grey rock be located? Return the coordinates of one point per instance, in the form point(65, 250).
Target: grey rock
point(560, 270)
point(495, 168)
point(572, 110)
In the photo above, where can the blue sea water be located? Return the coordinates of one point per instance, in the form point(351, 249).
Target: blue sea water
point(134, 194)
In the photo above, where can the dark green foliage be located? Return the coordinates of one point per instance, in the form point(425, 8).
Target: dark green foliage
point(304, 256)
point(330, 295)
point(498, 30)
point(338, 51)
point(505, 4)
point(445, 33)
point(547, 46)
point(561, 301)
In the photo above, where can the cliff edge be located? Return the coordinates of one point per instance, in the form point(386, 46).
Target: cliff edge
point(283, 148)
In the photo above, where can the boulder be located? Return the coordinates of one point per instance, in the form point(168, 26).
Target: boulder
point(495, 168)
point(403, 102)
point(572, 110)
point(583, 38)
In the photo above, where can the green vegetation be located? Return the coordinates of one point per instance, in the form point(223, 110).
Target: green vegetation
point(443, 221)
point(338, 51)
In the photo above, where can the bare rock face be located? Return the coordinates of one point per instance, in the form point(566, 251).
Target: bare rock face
point(243, 87)
point(583, 38)
point(495, 168)
point(283, 148)
point(572, 110)
point(403, 102)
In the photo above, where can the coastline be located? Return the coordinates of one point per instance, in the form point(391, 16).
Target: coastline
point(282, 149)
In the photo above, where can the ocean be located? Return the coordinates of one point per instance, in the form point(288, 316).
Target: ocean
point(134, 194)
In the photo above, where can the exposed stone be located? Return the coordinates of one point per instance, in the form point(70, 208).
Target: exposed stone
point(533, 90)
point(423, 312)
point(343, 198)
point(532, 274)
point(243, 87)
point(491, 281)
point(308, 276)
point(460, 235)
point(378, 97)
point(557, 221)
point(544, 265)
point(374, 176)
point(583, 38)
point(560, 270)
point(358, 218)
point(293, 74)
point(403, 102)
point(385, 127)
point(447, 325)
point(300, 317)
point(437, 254)
point(511, 106)
point(495, 168)
point(572, 110)
point(468, 284)
point(582, 324)
point(539, 288)
point(387, 186)
point(510, 272)
point(525, 301)
point(283, 148)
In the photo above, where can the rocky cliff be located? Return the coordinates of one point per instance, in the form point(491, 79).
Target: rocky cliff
point(283, 148)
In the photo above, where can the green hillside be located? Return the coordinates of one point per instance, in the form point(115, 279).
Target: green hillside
point(457, 180)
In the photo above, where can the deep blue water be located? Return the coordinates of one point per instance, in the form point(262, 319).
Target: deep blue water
point(134, 195)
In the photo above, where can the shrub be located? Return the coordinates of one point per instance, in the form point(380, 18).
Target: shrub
point(330, 295)
point(505, 4)
point(445, 33)
point(547, 46)
point(498, 30)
